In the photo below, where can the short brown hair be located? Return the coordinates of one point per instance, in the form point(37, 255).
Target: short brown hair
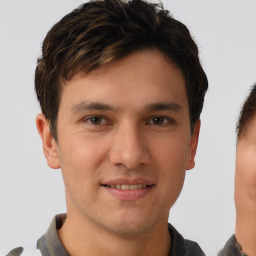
point(100, 31)
point(247, 113)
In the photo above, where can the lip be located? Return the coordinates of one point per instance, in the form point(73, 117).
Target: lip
point(128, 195)
point(128, 181)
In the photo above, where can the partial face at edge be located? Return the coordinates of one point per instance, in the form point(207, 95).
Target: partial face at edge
point(246, 155)
point(126, 124)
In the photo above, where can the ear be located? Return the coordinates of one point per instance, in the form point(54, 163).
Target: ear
point(50, 146)
point(193, 146)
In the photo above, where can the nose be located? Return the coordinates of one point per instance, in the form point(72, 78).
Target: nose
point(129, 148)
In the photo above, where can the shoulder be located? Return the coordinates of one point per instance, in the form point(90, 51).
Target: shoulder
point(194, 248)
point(231, 248)
point(20, 251)
point(181, 246)
point(15, 252)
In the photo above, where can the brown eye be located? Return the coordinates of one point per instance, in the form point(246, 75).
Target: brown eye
point(158, 120)
point(96, 120)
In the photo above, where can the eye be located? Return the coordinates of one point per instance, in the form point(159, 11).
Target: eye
point(160, 120)
point(96, 120)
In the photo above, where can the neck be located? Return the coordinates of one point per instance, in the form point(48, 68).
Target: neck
point(86, 238)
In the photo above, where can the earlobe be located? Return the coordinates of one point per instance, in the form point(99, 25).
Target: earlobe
point(193, 146)
point(50, 147)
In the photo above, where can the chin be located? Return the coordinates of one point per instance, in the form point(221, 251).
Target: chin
point(127, 231)
point(131, 227)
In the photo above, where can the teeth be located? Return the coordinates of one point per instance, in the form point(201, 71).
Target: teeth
point(125, 187)
point(133, 187)
point(128, 187)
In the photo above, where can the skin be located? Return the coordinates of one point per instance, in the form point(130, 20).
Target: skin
point(245, 189)
point(127, 122)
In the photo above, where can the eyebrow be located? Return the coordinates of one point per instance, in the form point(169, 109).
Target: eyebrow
point(91, 106)
point(164, 106)
point(157, 106)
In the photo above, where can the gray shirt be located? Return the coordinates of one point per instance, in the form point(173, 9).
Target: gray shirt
point(232, 248)
point(50, 245)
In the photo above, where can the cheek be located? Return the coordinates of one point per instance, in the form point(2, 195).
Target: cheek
point(246, 162)
point(171, 166)
point(172, 154)
point(82, 151)
point(79, 162)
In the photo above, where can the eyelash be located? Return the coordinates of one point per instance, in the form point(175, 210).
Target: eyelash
point(164, 120)
point(89, 120)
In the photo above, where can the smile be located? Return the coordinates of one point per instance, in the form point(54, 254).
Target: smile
point(128, 190)
point(128, 187)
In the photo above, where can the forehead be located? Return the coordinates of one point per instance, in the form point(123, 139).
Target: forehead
point(142, 77)
point(146, 60)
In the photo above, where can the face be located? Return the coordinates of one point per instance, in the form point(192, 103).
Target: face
point(246, 158)
point(124, 143)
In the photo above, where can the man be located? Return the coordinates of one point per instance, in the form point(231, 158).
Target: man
point(121, 89)
point(244, 240)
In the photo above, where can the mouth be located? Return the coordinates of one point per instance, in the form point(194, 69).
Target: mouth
point(128, 192)
point(128, 187)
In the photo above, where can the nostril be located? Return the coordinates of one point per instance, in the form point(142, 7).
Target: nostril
point(129, 152)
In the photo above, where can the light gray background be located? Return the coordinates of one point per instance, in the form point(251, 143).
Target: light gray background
point(31, 193)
